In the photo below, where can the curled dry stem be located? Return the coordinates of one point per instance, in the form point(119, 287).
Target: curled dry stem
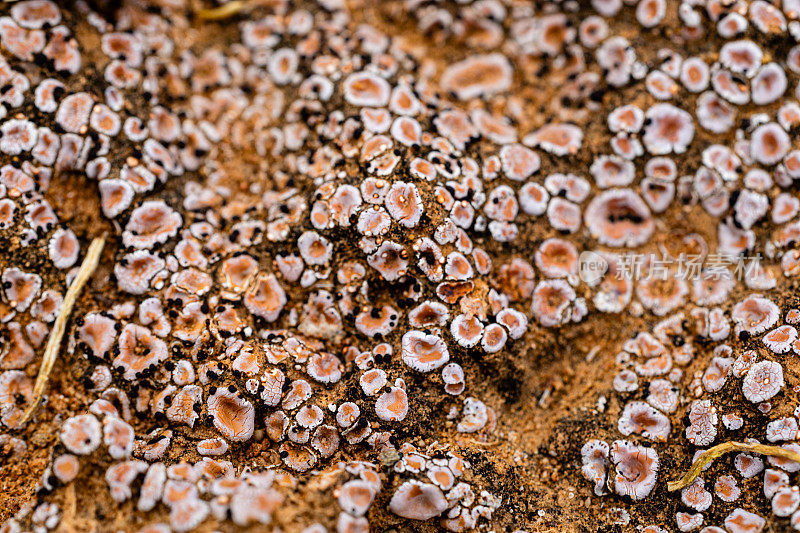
point(86, 270)
point(222, 12)
point(717, 451)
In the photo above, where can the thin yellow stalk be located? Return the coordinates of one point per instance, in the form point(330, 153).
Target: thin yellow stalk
point(222, 12)
point(86, 270)
point(717, 451)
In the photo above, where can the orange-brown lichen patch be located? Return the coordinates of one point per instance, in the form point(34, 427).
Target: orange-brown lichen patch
point(265, 298)
point(233, 416)
point(139, 351)
point(477, 76)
